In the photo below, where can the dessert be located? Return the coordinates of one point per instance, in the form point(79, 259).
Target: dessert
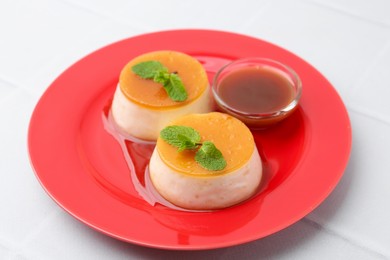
point(142, 107)
point(181, 180)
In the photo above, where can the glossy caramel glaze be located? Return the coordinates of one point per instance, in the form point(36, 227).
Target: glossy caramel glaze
point(229, 135)
point(152, 95)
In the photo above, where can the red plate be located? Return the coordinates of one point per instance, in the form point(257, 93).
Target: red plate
point(83, 169)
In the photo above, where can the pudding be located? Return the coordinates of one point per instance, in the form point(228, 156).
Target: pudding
point(141, 107)
point(181, 180)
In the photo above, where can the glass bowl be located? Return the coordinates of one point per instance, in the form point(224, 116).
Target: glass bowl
point(260, 92)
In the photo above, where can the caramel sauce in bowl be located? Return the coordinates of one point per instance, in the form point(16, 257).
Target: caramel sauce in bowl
point(260, 92)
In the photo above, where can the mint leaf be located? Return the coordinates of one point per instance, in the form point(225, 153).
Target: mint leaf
point(182, 137)
point(159, 73)
point(187, 138)
point(162, 77)
point(186, 143)
point(148, 69)
point(175, 88)
point(209, 157)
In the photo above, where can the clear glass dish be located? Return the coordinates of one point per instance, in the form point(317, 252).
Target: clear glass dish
point(261, 118)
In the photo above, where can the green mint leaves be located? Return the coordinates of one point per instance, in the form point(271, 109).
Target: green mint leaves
point(181, 137)
point(148, 69)
point(175, 88)
point(209, 157)
point(187, 138)
point(156, 71)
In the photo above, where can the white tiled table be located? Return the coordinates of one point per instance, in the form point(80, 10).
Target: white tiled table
point(348, 41)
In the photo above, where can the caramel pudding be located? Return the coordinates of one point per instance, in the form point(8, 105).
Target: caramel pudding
point(141, 107)
point(182, 181)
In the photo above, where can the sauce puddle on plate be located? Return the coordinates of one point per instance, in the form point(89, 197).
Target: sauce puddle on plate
point(137, 154)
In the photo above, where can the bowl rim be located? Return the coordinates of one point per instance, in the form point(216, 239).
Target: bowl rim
point(252, 61)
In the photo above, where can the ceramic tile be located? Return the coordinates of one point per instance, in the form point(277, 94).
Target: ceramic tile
point(3, 251)
point(159, 15)
point(358, 209)
point(371, 93)
point(21, 193)
point(126, 12)
point(6, 88)
point(44, 33)
point(106, 33)
point(19, 256)
point(338, 45)
point(376, 11)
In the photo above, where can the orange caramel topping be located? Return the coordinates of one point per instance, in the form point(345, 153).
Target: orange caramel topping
point(150, 94)
point(230, 136)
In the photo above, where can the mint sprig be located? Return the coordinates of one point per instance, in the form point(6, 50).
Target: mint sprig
point(186, 138)
point(156, 71)
point(210, 157)
point(148, 69)
point(182, 137)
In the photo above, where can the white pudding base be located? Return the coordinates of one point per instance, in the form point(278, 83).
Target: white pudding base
point(206, 192)
point(144, 123)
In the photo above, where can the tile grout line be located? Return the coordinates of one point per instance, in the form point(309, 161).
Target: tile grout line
point(13, 89)
point(369, 115)
point(17, 88)
point(344, 238)
point(379, 54)
point(8, 82)
point(18, 248)
point(113, 18)
point(351, 14)
point(7, 244)
point(248, 22)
